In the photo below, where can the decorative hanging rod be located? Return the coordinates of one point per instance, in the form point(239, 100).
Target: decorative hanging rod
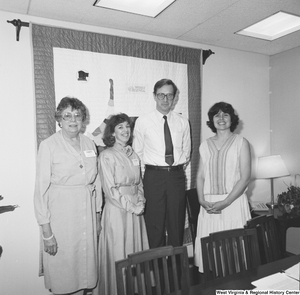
point(206, 54)
point(18, 24)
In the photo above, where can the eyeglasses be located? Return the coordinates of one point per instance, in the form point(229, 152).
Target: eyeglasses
point(161, 96)
point(69, 117)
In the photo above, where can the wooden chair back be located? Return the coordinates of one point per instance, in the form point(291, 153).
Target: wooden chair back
point(268, 239)
point(156, 271)
point(228, 252)
point(193, 209)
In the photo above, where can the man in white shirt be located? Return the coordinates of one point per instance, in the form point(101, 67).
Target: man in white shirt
point(164, 177)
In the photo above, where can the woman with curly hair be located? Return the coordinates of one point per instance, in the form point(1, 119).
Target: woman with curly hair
point(223, 176)
point(123, 226)
point(68, 201)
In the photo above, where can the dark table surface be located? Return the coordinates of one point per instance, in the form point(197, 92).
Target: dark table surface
point(242, 280)
point(277, 214)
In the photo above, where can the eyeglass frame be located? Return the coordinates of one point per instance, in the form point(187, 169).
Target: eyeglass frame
point(165, 95)
point(78, 117)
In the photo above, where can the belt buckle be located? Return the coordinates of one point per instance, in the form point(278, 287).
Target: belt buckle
point(169, 168)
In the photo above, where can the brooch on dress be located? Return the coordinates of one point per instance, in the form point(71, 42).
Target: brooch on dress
point(128, 150)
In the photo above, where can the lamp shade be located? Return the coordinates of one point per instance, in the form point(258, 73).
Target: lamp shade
point(271, 167)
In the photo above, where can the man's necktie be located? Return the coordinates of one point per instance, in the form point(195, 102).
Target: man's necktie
point(169, 157)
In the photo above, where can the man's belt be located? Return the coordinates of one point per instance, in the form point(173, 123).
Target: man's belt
point(164, 168)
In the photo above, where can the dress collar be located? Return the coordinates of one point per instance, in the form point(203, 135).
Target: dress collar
point(127, 150)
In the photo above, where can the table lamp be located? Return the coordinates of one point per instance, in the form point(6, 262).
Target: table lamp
point(271, 167)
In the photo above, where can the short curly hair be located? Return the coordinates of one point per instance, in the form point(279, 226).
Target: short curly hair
point(108, 138)
point(72, 102)
point(225, 108)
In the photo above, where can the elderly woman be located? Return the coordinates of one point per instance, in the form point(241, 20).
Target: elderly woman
point(223, 176)
point(123, 227)
point(67, 197)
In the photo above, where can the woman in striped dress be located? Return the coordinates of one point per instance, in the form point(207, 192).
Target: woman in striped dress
point(223, 176)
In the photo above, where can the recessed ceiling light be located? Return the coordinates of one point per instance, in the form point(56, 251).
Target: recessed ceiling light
point(144, 7)
point(273, 27)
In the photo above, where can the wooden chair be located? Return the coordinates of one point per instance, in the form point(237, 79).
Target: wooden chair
point(156, 271)
point(228, 252)
point(268, 239)
point(193, 209)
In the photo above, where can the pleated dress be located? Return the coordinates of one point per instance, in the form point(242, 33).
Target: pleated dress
point(123, 232)
point(221, 172)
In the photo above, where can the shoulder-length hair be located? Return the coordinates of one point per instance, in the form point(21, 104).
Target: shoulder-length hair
point(72, 102)
point(225, 108)
point(108, 138)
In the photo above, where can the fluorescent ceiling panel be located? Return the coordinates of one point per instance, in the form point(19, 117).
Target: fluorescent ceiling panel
point(273, 27)
point(144, 7)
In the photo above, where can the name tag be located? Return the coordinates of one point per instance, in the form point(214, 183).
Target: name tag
point(89, 153)
point(135, 162)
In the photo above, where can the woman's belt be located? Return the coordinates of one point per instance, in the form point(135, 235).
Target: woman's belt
point(128, 190)
point(91, 187)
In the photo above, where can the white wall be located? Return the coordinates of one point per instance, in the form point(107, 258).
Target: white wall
point(237, 77)
point(285, 122)
point(285, 107)
point(18, 229)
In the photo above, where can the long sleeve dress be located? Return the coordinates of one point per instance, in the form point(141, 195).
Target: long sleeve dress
point(123, 232)
point(221, 173)
point(68, 194)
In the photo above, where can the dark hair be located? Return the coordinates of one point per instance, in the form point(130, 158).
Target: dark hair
point(225, 108)
point(72, 102)
point(164, 82)
point(108, 138)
